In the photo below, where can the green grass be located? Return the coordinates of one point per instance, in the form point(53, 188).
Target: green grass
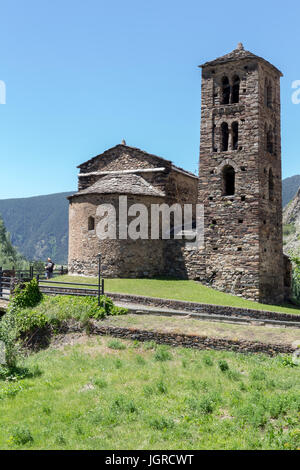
point(89, 396)
point(180, 290)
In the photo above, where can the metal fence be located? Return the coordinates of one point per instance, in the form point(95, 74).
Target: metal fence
point(33, 272)
point(50, 286)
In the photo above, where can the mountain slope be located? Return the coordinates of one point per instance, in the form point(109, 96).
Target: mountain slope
point(38, 225)
point(291, 224)
point(290, 187)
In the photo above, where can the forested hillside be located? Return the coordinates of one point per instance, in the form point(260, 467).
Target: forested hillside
point(9, 256)
point(38, 225)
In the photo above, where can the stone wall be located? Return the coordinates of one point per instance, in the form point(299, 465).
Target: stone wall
point(119, 258)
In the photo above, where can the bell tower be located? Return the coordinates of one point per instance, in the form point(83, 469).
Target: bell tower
point(240, 175)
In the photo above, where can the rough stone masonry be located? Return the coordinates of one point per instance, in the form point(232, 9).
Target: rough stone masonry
point(239, 184)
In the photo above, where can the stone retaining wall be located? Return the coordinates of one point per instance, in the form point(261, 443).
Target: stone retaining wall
point(187, 306)
point(205, 308)
point(187, 341)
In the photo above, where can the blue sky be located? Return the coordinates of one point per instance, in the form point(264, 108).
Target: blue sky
point(81, 76)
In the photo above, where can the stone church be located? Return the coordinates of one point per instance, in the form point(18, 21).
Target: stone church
point(239, 185)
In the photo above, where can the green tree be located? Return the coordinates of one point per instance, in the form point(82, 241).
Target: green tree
point(9, 255)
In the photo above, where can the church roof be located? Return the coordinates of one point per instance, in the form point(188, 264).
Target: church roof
point(121, 184)
point(238, 54)
point(124, 146)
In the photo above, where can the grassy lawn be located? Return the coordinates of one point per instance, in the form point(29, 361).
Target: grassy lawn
point(179, 290)
point(102, 393)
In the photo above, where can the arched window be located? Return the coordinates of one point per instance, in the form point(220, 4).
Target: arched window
point(270, 140)
point(228, 180)
point(271, 185)
point(91, 223)
point(225, 91)
point(235, 135)
point(235, 95)
point(268, 93)
point(225, 136)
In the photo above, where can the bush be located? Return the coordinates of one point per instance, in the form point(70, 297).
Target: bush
point(21, 436)
point(122, 405)
point(116, 344)
point(162, 354)
point(161, 423)
point(204, 405)
point(26, 295)
point(223, 365)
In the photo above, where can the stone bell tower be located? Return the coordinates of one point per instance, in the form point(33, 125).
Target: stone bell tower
point(240, 175)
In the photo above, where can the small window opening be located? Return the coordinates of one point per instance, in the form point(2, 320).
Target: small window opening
point(225, 90)
point(225, 136)
point(235, 96)
point(91, 223)
point(235, 135)
point(241, 221)
point(228, 181)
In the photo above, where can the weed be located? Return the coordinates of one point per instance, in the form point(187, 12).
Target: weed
point(116, 344)
point(21, 436)
point(162, 354)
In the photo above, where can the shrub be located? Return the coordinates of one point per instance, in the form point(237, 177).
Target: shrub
point(116, 344)
point(21, 436)
point(140, 360)
point(122, 405)
point(26, 295)
point(99, 382)
point(207, 360)
point(204, 405)
point(161, 387)
point(161, 423)
point(223, 365)
point(287, 361)
point(162, 354)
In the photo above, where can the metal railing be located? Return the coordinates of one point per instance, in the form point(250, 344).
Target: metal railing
point(51, 286)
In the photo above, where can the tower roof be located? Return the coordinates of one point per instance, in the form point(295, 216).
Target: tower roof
point(238, 54)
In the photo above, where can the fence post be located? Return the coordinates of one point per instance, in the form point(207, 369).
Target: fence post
point(31, 272)
point(1, 275)
point(102, 281)
point(99, 278)
point(61, 270)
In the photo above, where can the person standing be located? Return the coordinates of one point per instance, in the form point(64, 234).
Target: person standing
point(49, 268)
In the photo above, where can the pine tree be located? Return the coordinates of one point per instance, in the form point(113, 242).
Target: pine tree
point(9, 255)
